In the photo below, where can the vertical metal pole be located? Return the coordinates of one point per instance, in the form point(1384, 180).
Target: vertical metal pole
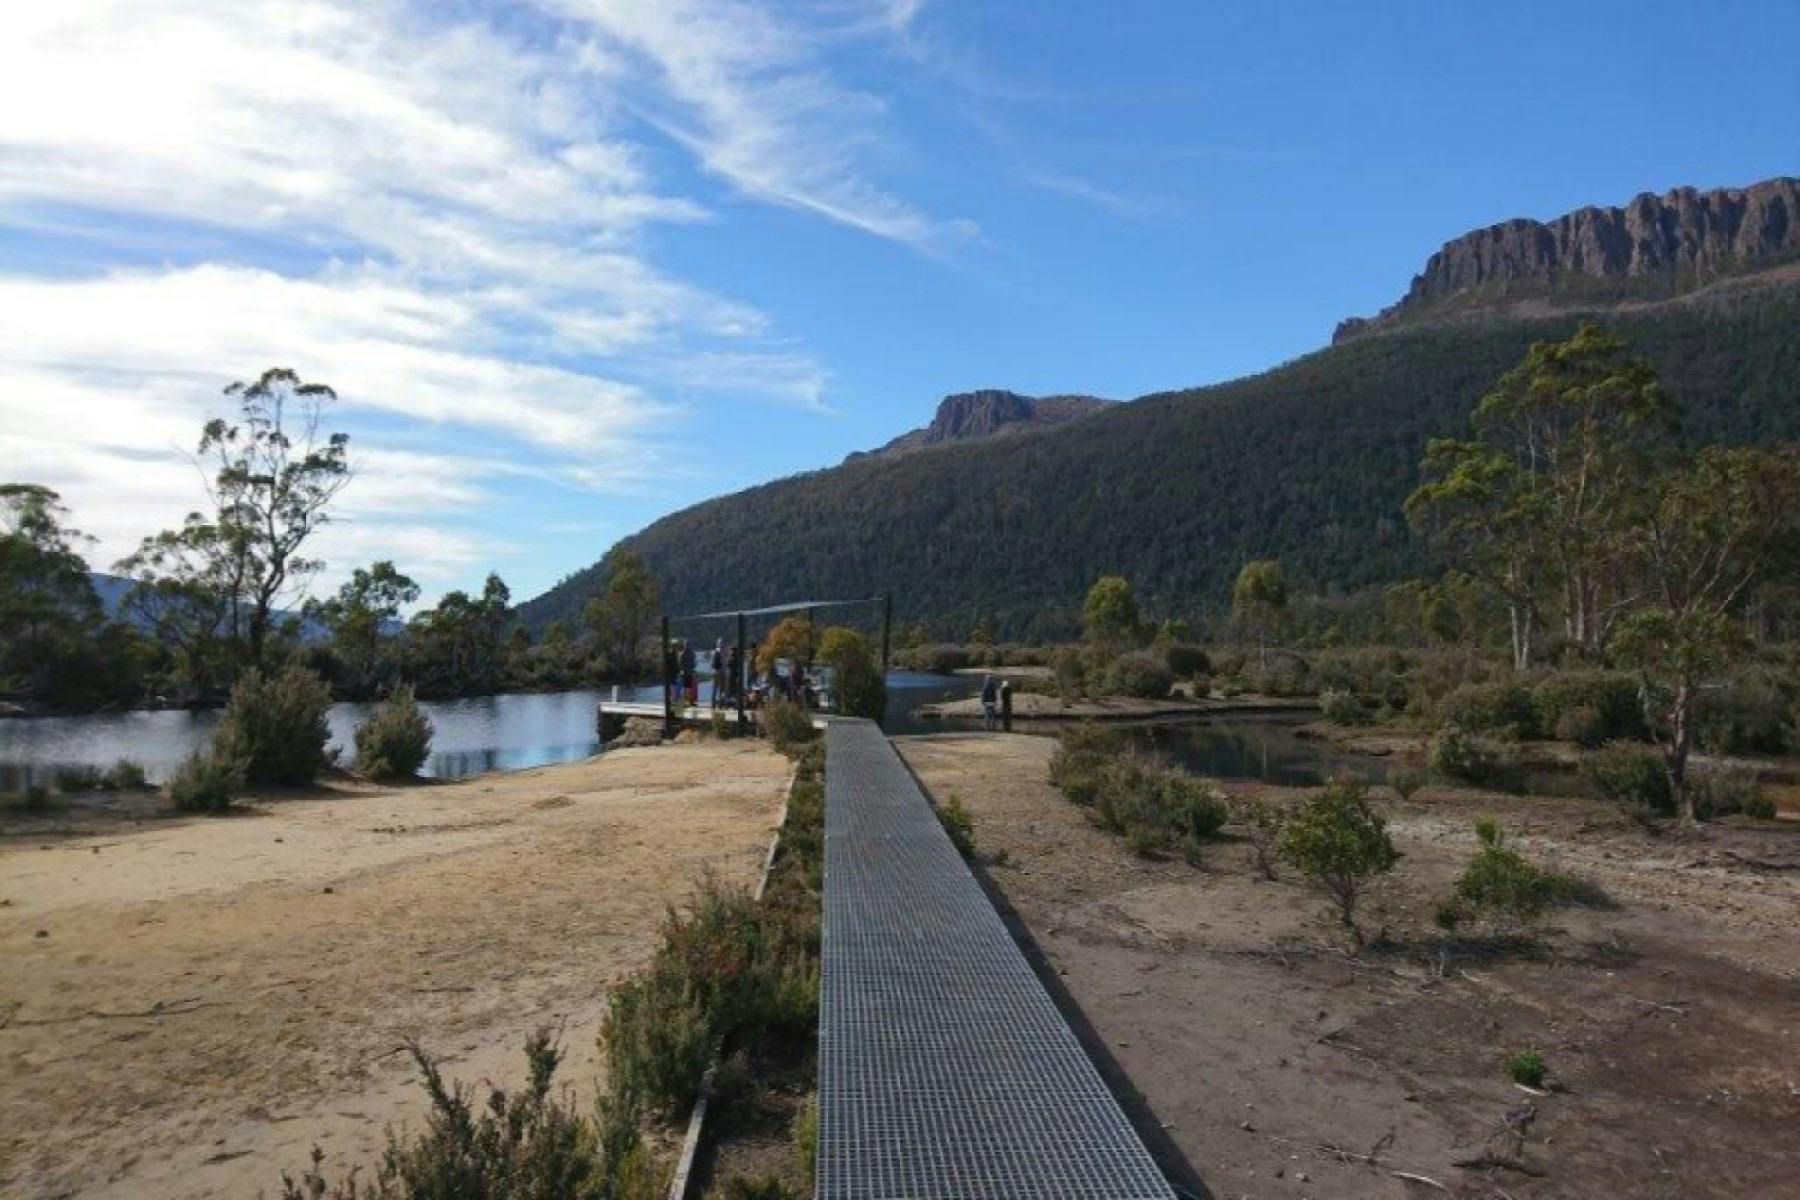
point(887, 630)
point(668, 685)
point(743, 670)
point(1005, 706)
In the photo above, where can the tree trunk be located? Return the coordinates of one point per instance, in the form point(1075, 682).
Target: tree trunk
point(1521, 616)
point(1681, 736)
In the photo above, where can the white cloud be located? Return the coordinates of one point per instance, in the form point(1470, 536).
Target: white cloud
point(446, 218)
point(744, 90)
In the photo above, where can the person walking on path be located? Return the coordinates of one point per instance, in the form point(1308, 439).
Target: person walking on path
point(990, 703)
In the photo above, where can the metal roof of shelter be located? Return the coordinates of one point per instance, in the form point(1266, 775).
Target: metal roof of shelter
point(771, 609)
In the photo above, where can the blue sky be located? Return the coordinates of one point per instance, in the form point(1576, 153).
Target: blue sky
point(573, 264)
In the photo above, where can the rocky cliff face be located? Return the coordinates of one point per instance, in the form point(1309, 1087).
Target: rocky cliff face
point(1653, 246)
point(968, 416)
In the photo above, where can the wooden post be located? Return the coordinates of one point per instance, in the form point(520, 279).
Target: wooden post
point(1006, 706)
point(743, 670)
point(668, 685)
point(887, 630)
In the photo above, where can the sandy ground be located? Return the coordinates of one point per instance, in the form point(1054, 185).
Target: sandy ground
point(188, 1005)
point(1268, 1062)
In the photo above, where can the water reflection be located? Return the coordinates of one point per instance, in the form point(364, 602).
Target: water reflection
point(481, 733)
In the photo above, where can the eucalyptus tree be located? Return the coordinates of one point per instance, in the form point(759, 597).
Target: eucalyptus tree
point(622, 616)
point(47, 601)
point(1260, 597)
point(358, 618)
point(1712, 533)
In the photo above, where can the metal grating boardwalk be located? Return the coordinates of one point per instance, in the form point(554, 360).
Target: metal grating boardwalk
point(945, 1071)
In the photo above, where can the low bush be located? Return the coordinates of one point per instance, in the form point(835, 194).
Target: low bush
point(1376, 673)
point(1502, 888)
point(396, 740)
point(1071, 671)
point(205, 782)
point(1631, 776)
point(806, 1142)
point(787, 726)
point(1719, 790)
point(1186, 660)
point(956, 822)
point(125, 776)
point(1081, 757)
point(1498, 709)
point(1342, 708)
point(1527, 1067)
point(1756, 715)
point(525, 1145)
point(1760, 806)
point(939, 658)
point(31, 798)
point(756, 1187)
point(1338, 842)
point(78, 779)
point(1437, 674)
point(1406, 780)
point(1157, 808)
point(1140, 674)
point(275, 725)
point(1589, 707)
point(1458, 754)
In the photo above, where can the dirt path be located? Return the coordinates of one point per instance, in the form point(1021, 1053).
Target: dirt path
point(211, 997)
point(1279, 1066)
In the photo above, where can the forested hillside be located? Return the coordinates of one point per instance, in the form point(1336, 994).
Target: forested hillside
point(1308, 462)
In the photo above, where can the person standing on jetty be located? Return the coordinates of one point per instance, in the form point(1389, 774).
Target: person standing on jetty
point(719, 681)
point(990, 703)
point(690, 688)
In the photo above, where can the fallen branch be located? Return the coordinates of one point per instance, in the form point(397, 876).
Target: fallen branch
point(1495, 1161)
point(1417, 1178)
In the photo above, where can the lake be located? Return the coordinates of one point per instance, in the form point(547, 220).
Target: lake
point(480, 733)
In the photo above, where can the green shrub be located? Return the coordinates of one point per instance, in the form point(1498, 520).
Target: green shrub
point(1342, 708)
point(1499, 886)
point(1760, 806)
point(1719, 790)
point(1377, 673)
point(956, 822)
point(1755, 715)
point(528, 1145)
point(31, 798)
point(727, 970)
point(1498, 709)
point(1632, 776)
point(1527, 1067)
point(1589, 707)
point(787, 726)
point(1158, 808)
point(125, 776)
point(396, 740)
point(806, 1142)
point(1457, 754)
point(78, 779)
point(756, 1187)
point(1140, 674)
point(1186, 660)
point(1405, 780)
point(1338, 841)
point(861, 690)
point(1081, 757)
point(275, 725)
point(205, 782)
point(941, 658)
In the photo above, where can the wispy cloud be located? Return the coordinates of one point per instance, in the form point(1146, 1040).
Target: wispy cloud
point(446, 216)
point(742, 88)
point(1119, 204)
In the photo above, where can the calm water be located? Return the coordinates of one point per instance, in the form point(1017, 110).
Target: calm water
point(479, 734)
point(1264, 748)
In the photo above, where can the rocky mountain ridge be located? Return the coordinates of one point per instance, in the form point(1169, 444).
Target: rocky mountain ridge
point(1652, 247)
point(987, 412)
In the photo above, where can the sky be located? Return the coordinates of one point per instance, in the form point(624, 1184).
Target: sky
point(574, 264)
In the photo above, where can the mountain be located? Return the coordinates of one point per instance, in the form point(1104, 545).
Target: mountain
point(1308, 462)
point(1653, 247)
point(969, 416)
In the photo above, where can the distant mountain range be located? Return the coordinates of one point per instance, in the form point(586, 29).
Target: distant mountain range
point(1308, 462)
